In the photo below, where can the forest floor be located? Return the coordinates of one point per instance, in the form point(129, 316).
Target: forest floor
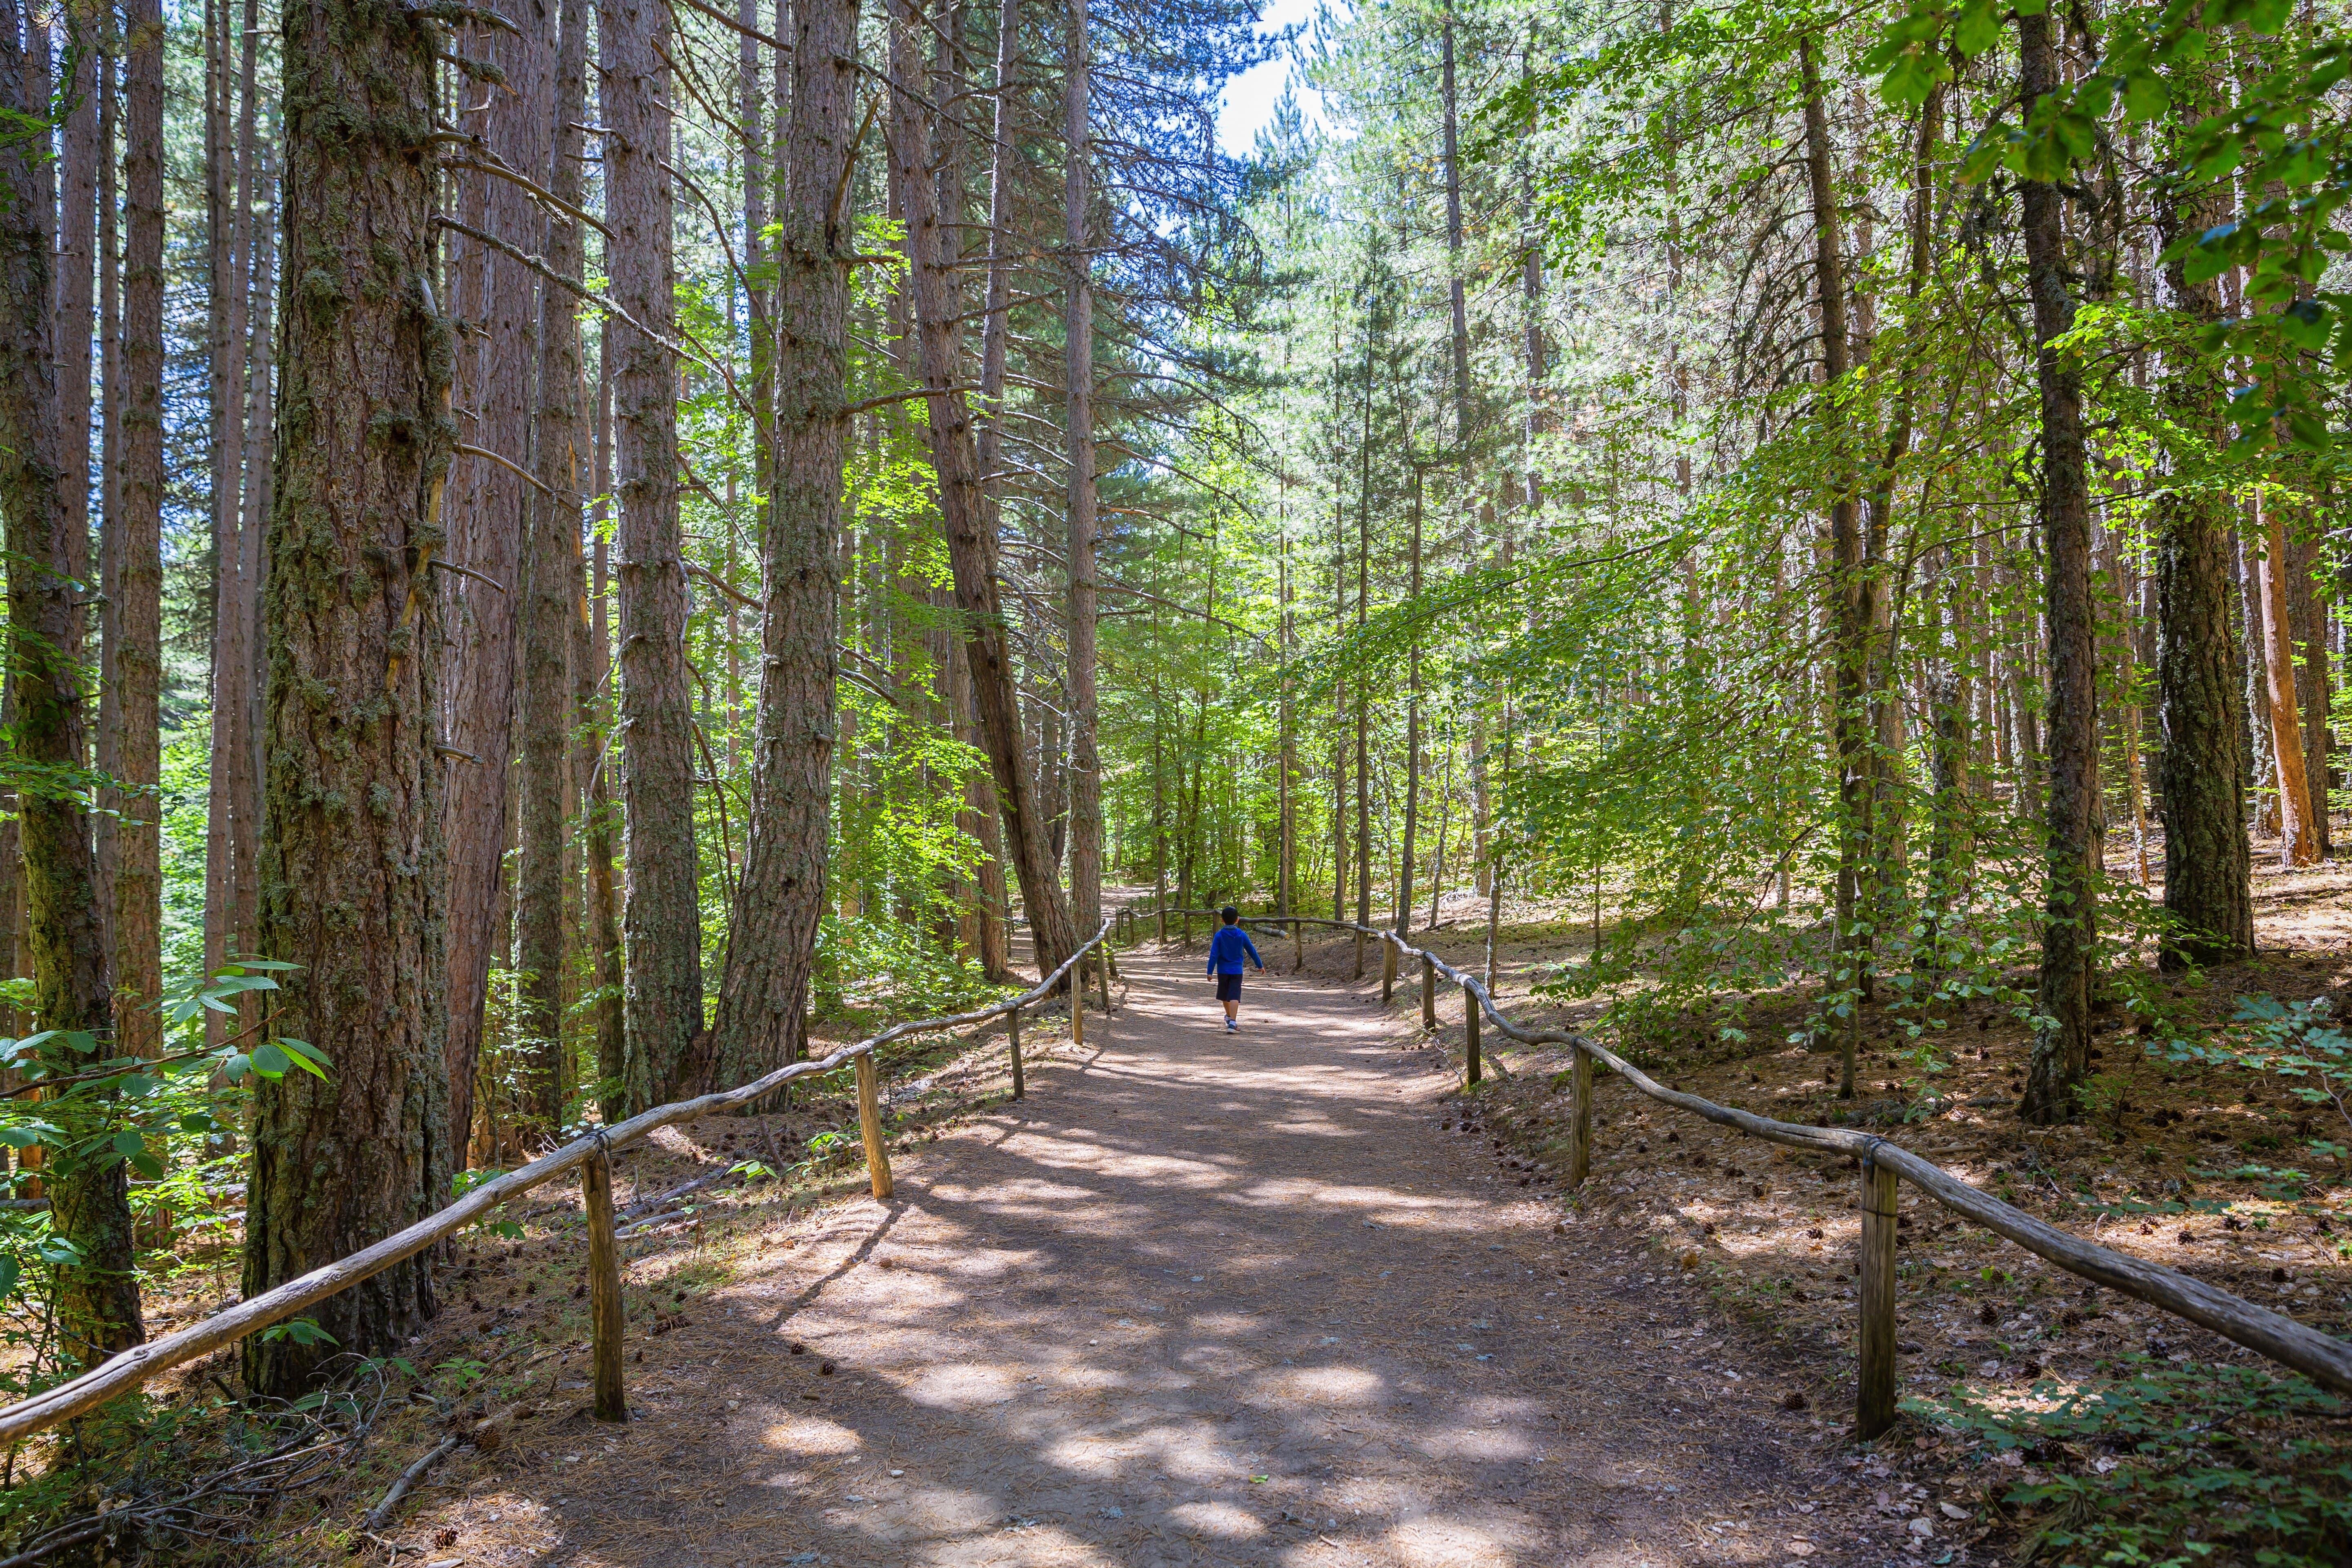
point(1198, 1299)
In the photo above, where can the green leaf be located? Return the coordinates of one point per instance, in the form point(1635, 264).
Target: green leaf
point(1977, 29)
point(11, 1271)
point(147, 1165)
point(2304, 324)
point(238, 1065)
point(129, 1141)
point(2269, 18)
point(270, 1061)
point(2145, 97)
point(23, 1137)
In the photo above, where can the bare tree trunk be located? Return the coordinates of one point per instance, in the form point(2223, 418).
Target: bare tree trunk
point(763, 1005)
point(1411, 727)
point(592, 667)
point(138, 608)
point(2062, 1043)
point(1078, 348)
point(104, 831)
point(972, 549)
point(355, 889)
point(660, 920)
point(550, 594)
point(97, 1295)
point(2298, 838)
point(488, 507)
point(1849, 604)
point(2307, 614)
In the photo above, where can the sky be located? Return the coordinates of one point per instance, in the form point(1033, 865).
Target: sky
point(1249, 98)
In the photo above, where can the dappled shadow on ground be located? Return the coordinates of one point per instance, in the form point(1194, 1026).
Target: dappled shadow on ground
point(1199, 1298)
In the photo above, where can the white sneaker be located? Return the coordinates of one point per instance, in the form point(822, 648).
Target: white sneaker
point(1233, 1027)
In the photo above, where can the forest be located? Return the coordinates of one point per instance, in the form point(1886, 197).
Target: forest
point(562, 557)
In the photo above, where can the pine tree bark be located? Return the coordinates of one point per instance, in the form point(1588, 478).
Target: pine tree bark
point(1849, 602)
point(592, 667)
point(2306, 614)
point(1078, 350)
point(971, 548)
point(2062, 1041)
point(104, 831)
point(97, 1297)
point(489, 512)
point(2298, 838)
point(550, 596)
point(762, 1006)
point(660, 919)
point(138, 929)
point(352, 812)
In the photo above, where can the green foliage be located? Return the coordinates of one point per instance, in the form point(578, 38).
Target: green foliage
point(2169, 1465)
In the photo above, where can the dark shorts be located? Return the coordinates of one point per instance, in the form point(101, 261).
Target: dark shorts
point(1229, 987)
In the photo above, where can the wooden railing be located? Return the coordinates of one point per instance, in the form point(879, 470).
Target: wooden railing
point(2321, 1357)
point(591, 1154)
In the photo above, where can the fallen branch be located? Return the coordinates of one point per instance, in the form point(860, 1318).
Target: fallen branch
point(407, 1478)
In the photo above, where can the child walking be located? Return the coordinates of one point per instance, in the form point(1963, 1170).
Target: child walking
point(1225, 951)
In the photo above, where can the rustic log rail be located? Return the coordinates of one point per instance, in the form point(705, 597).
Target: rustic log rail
point(591, 1154)
point(2322, 1358)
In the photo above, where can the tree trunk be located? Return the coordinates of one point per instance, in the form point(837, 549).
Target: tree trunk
point(2307, 614)
point(2200, 783)
point(138, 929)
point(104, 830)
point(1078, 349)
point(590, 667)
point(1411, 727)
point(550, 594)
point(1849, 605)
point(97, 1296)
point(2062, 1043)
point(490, 510)
point(761, 1021)
point(352, 809)
point(661, 924)
point(2298, 838)
point(971, 548)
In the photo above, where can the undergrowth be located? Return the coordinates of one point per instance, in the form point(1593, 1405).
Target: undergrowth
point(2164, 1465)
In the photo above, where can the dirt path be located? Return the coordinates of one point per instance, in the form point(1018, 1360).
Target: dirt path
point(1202, 1299)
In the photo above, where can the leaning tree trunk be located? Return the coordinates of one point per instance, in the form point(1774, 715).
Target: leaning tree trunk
point(2062, 1041)
point(351, 814)
point(138, 933)
point(761, 1022)
point(2201, 787)
point(550, 594)
point(98, 1297)
point(972, 550)
point(661, 926)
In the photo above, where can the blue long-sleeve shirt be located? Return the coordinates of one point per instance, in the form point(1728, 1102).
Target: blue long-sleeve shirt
point(1225, 950)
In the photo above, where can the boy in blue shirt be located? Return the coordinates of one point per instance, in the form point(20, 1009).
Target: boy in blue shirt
point(1225, 951)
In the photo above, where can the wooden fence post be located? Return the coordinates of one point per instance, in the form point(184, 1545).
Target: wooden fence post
point(869, 1121)
point(1428, 995)
point(1297, 945)
point(605, 1318)
point(1188, 927)
point(1470, 1027)
point(1874, 1403)
point(1102, 970)
point(1580, 1126)
point(1387, 970)
point(1013, 1026)
point(1078, 1006)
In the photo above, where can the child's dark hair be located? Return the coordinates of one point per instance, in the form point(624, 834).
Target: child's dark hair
point(1230, 915)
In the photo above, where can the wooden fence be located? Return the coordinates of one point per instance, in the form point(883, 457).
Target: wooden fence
point(591, 1154)
point(2322, 1358)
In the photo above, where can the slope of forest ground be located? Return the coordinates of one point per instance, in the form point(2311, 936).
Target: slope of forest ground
point(2023, 1387)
